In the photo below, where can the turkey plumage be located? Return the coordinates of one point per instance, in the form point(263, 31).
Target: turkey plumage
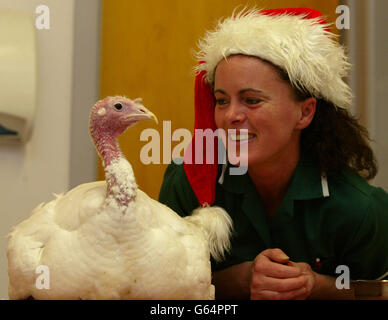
point(108, 239)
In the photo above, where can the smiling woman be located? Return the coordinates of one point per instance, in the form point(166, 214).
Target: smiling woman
point(304, 207)
point(256, 99)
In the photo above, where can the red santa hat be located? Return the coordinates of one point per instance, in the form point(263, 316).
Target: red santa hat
point(298, 40)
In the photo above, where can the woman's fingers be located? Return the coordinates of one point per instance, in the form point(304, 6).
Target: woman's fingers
point(280, 285)
point(275, 295)
point(274, 276)
point(266, 266)
point(276, 255)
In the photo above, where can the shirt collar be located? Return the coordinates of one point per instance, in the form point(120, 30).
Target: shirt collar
point(306, 183)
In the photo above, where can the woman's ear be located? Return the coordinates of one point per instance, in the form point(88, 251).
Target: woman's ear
point(308, 107)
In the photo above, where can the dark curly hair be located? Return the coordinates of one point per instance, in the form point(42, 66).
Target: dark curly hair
point(338, 140)
point(335, 137)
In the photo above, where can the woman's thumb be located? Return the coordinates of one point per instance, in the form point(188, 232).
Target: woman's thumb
point(277, 255)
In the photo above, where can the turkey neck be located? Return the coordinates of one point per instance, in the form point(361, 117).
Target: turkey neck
point(121, 183)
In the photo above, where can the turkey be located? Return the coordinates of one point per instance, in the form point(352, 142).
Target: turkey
point(108, 239)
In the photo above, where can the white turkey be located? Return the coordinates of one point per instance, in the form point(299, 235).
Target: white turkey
point(108, 239)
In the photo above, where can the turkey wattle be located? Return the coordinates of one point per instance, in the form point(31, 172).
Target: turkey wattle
point(108, 239)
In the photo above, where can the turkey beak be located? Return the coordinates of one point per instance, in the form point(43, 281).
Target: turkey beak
point(152, 116)
point(141, 113)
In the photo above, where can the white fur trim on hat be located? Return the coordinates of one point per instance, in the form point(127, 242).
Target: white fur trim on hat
point(312, 58)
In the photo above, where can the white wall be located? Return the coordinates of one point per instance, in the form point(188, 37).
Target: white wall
point(378, 86)
point(368, 48)
point(60, 154)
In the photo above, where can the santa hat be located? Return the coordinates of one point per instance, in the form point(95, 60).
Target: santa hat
point(297, 40)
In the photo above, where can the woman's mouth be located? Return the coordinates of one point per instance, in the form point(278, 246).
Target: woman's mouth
point(238, 146)
point(241, 137)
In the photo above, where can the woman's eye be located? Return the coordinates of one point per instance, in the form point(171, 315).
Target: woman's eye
point(252, 101)
point(221, 102)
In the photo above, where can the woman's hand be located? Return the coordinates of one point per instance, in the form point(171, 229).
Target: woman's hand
point(275, 277)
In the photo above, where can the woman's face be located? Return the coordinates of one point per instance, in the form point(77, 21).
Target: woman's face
point(250, 95)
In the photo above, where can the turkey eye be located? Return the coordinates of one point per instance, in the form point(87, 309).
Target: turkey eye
point(118, 106)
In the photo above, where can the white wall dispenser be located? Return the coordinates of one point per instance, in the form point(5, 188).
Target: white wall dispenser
point(17, 76)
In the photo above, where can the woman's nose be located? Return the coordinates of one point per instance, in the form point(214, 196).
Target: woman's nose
point(235, 113)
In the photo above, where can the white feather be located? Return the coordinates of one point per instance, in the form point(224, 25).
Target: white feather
point(310, 55)
point(217, 225)
point(109, 240)
point(95, 252)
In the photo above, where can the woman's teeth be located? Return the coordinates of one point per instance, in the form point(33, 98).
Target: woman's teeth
point(241, 137)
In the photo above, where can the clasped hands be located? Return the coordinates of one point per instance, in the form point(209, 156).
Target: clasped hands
point(275, 277)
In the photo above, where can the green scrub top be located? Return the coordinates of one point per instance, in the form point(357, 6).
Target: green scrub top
point(326, 222)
